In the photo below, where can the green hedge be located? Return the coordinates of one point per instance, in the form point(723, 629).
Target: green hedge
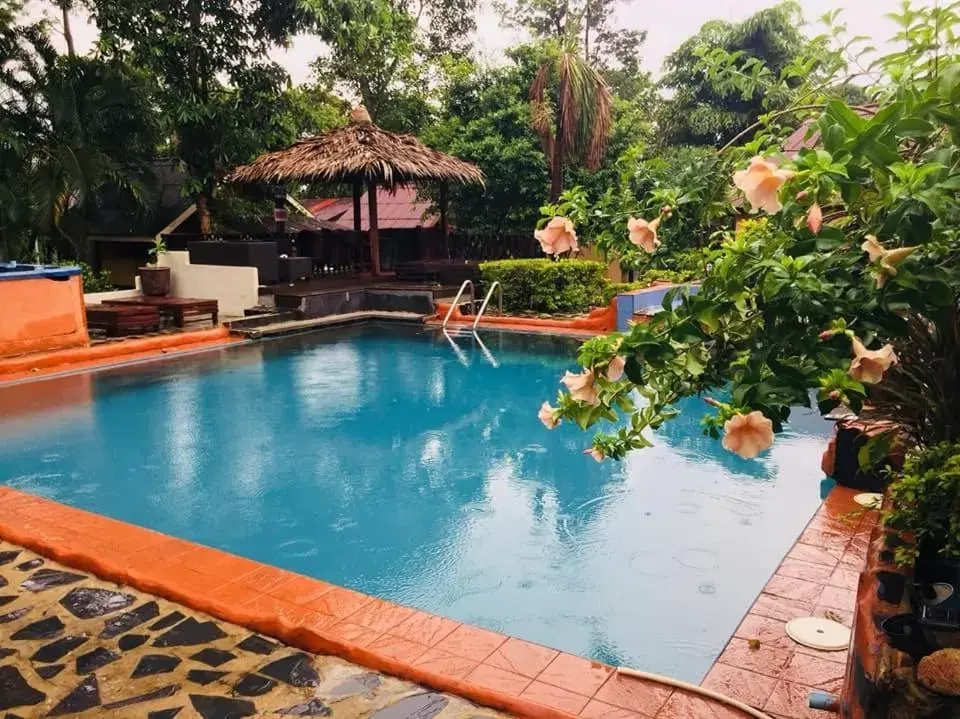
point(547, 285)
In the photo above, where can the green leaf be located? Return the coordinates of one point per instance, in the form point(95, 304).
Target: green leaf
point(845, 117)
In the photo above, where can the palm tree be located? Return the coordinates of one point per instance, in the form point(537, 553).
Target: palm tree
point(578, 125)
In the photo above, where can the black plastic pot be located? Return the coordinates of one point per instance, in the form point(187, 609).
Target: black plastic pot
point(906, 634)
point(932, 567)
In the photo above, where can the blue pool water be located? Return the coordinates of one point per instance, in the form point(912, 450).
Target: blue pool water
point(384, 460)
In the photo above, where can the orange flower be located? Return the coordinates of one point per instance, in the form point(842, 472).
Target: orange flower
point(868, 366)
point(888, 259)
point(581, 387)
point(595, 453)
point(550, 416)
point(747, 435)
point(615, 368)
point(557, 237)
point(644, 234)
point(815, 218)
point(760, 183)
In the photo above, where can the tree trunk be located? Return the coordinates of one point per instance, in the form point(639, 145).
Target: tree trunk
point(203, 214)
point(67, 32)
point(556, 162)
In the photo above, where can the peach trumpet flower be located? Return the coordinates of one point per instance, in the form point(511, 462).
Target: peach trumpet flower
point(747, 435)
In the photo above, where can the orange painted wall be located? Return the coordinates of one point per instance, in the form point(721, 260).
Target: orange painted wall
point(40, 314)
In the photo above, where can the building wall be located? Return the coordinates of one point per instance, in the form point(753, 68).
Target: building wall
point(234, 288)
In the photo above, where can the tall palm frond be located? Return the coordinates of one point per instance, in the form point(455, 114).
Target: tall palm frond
point(579, 126)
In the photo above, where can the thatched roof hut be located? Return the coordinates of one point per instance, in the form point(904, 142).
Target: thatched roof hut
point(361, 153)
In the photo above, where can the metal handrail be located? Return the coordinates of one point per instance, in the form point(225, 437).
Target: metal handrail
point(473, 301)
point(486, 300)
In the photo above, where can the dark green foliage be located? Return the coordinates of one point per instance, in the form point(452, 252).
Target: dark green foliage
point(926, 503)
point(547, 285)
point(487, 122)
point(93, 281)
point(707, 111)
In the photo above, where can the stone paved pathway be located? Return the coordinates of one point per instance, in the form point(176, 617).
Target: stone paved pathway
point(71, 644)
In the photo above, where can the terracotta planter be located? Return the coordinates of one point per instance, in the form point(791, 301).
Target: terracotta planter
point(155, 281)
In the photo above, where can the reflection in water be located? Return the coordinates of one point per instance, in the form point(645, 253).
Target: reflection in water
point(376, 459)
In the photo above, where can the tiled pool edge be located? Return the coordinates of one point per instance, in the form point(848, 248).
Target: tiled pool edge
point(485, 667)
point(819, 576)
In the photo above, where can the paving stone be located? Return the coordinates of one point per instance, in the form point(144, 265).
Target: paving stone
point(44, 629)
point(87, 603)
point(9, 556)
point(49, 671)
point(419, 706)
point(4, 600)
point(204, 676)
point(44, 579)
point(168, 621)
point(296, 670)
point(253, 685)
point(58, 649)
point(91, 661)
point(86, 696)
point(222, 707)
point(363, 684)
point(258, 645)
point(213, 657)
point(6, 652)
point(155, 664)
point(312, 708)
point(30, 564)
point(14, 615)
point(165, 713)
point(161, 693)
point(127, 621)
point(15, 691)
point(131, 641)
point(190, 632)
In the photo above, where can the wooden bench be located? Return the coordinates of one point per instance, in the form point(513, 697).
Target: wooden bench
point(117, 320)
point(179, 309)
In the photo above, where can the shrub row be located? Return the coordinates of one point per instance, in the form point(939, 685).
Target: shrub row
point(564, 286)
point(546, 285)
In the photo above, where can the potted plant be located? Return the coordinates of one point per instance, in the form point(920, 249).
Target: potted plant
point(925, 507)
point(155, 280)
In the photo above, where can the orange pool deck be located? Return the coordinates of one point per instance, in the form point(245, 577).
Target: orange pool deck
point(40, 364)
point(489, 668)
point(761, 666)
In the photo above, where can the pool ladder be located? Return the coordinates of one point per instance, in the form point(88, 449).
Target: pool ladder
point(473, 302)
point(486, 301)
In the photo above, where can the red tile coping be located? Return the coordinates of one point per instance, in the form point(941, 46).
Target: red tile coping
point(491, 669)
point(761, 666)
point(598, 321)
point(41, 363)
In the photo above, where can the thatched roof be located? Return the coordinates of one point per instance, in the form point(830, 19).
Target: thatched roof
point(359, 151)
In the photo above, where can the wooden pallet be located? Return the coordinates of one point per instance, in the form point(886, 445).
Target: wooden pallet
point(117, 320)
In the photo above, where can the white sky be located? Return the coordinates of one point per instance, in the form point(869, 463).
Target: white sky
point(668, 23)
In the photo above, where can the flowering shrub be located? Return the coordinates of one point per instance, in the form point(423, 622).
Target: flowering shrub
point(854, 267)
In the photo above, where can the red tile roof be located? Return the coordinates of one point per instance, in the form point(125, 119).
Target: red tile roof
point(397, 210)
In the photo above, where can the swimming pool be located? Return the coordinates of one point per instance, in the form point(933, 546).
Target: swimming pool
point(381, 459)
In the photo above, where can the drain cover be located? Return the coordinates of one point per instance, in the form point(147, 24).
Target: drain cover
point(870, 500)
point(819, 633)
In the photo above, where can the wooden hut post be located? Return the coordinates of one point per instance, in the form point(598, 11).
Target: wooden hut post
point(357, 195)
point(444, 223)
point(374, 229)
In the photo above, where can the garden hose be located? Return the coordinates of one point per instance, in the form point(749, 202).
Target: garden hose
point(686, 686)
